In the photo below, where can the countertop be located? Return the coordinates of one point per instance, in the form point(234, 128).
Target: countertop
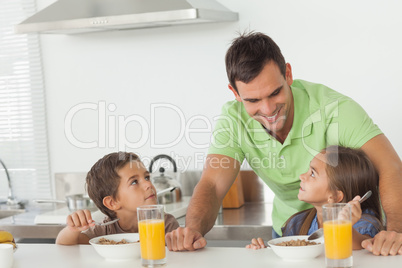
point(254, 218)
point(31, 255)
point(45, 221)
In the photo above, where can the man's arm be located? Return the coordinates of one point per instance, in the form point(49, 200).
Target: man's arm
point(389, 168)
point(219, 174)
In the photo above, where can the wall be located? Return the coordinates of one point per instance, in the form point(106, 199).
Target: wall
point(351, 46)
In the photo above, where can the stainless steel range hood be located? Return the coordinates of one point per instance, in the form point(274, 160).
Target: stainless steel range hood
point(83, 16)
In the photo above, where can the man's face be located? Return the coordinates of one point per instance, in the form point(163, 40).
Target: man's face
point(268, 99)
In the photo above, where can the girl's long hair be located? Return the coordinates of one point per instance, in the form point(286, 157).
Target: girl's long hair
point(351, 172)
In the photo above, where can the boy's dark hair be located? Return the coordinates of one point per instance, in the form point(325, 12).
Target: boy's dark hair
point(248, 55)
point(103, 179)
point(351, 172)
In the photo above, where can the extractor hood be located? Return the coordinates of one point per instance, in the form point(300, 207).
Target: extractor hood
point(83, 16)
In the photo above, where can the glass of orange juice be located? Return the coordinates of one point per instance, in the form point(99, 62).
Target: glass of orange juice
point(151, 227)
point(337, 218)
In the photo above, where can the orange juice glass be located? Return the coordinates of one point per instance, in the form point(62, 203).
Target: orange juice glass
point(338, 235)
point(151, 227)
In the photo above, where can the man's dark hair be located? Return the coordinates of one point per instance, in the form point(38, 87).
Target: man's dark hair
point(248, 55)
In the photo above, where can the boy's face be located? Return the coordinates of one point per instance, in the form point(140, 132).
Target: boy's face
point(135, 188)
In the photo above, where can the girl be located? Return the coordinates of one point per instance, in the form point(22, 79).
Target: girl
point(337, 175)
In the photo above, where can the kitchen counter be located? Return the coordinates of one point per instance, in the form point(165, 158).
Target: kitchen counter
point(45, 221)
point(23, 226)
point(237, 225)
point(31, 255)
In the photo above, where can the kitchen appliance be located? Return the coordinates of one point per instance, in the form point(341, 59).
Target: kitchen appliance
point(161, 182)
point(73, 202)
point(83, 16)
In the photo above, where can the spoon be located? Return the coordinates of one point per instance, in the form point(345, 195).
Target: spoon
point(365, 196)
point(106, 223)
point(317, 234)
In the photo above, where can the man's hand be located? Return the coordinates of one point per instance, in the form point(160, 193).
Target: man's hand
point(384, 243)
point(256, 243)
point(184, 239)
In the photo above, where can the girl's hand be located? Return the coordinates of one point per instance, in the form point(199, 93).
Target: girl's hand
point(256, 243)
point(356, 209)
point(80, 220)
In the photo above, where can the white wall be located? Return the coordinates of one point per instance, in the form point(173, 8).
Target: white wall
point(352, 46)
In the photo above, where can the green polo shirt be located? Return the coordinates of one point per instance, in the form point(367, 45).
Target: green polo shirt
point(322, 117)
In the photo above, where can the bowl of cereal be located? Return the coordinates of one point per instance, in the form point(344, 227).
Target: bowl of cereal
point(296, 248)
point(118, 247)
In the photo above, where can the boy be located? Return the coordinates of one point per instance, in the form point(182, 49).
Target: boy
point(118, 183)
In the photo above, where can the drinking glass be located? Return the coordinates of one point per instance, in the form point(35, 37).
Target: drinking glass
point(337, 219)
point(6, 255)
point(151, 227)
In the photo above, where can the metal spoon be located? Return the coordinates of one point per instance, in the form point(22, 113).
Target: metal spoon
point(365, 196)
point(319, 233)
point(106, 223)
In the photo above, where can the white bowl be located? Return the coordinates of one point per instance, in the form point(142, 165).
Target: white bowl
point(296, 253)
point(118, 252)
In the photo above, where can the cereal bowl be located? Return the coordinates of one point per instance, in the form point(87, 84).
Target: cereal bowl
point(118, 252)
point(296, 253)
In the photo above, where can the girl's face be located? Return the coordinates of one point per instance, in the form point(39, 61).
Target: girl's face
point(135, 188)
point(314, 183)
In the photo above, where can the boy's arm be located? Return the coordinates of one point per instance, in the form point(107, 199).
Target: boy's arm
point(68, 237)
point(77, 222)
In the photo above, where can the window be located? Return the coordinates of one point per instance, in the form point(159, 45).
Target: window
point(23, 129)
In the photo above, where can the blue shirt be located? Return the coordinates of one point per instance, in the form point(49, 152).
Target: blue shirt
point(367, 225)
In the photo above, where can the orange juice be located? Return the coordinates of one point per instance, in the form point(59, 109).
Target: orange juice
point(338, 239)
point(152, 239)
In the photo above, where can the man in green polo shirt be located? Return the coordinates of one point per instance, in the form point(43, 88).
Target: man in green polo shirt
point(317, 109)
point(278, 125)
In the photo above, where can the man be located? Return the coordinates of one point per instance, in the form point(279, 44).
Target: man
point(278, 124)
